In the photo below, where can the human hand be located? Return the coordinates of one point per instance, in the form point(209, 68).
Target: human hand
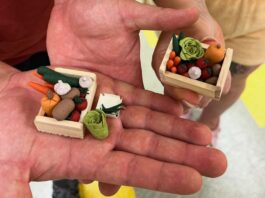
point(146, 148)
point(104, 35)
point(204, 29)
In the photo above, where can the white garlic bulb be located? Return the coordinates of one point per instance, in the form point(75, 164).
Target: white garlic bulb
point(62, 88)
point(85, 82)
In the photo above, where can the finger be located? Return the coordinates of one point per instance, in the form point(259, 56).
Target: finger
point(205, 101)
point(108, 189)
point(85, 181)
point(154, 101)
point(160, 50)
point(164, 19)
point(228, 82)
point(166, 125)
point(183, 94)
point(123, 168)
point(209, 162)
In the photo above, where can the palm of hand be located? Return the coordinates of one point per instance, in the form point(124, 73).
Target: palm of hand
point(82, 33)
point(137, 148)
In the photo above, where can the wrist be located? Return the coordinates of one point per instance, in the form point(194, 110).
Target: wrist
point(14, 181)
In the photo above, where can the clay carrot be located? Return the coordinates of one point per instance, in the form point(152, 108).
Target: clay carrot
point(50, 86)
point(38, 87)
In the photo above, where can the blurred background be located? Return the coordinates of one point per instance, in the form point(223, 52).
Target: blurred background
point(242, 139)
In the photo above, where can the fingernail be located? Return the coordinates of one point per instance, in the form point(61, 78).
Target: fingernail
point(209, 39)
point(200, 98)
point(204, 102)
point(189, 105)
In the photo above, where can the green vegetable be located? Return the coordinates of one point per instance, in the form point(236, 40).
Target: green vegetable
point(112, 110)
point(191, 49)
point(52, 76)
point(176, 40)
point(96, 123)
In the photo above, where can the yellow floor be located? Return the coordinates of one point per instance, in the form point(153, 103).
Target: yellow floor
point(92, 191)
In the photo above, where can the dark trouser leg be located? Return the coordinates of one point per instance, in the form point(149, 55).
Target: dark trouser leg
point(65, 189)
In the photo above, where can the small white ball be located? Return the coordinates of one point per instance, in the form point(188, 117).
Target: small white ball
point(195, 72)
point(85, 82)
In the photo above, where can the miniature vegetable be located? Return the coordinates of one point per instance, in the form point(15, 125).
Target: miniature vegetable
point(96, 123)
point(63, 109)
point(85, 82)
point(201, 63)
point(195, 72)
point(215, 53)
point(170, 63)
point(172, 55)
point(212, 80)
point(72, 93)
point(216, 69)
point(191, 49)
point(80, 103)
point(53, 77)
point(62, 88)
point(176, 41)
point(49, 101)
point(38, 87)
point(75, 116)
point(174, 70)
point(177, 60)
point(113, 109)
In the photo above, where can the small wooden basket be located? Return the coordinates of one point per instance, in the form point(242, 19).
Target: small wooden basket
point(66, 127)
point(176, 80)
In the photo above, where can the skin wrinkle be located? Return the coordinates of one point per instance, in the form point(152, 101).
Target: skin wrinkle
point(69, 161)
point(172, 130)
point(130, 170)
point(31, 149)
point(159, 21)
point(101, 166)
point(185, 155)
point(19, 166)
point(118, 139)
point(154, 143)
point(148, 117)
point(123, 16)
point(159, 183)
point(42, 174)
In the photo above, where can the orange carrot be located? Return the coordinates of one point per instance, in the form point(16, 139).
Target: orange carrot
point(38, 87)
point(50, 86)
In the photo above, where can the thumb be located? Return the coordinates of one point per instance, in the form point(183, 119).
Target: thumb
point(149, 17)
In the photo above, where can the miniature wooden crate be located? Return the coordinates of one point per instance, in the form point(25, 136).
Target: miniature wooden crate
point(176, 80)
point(66, 127)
